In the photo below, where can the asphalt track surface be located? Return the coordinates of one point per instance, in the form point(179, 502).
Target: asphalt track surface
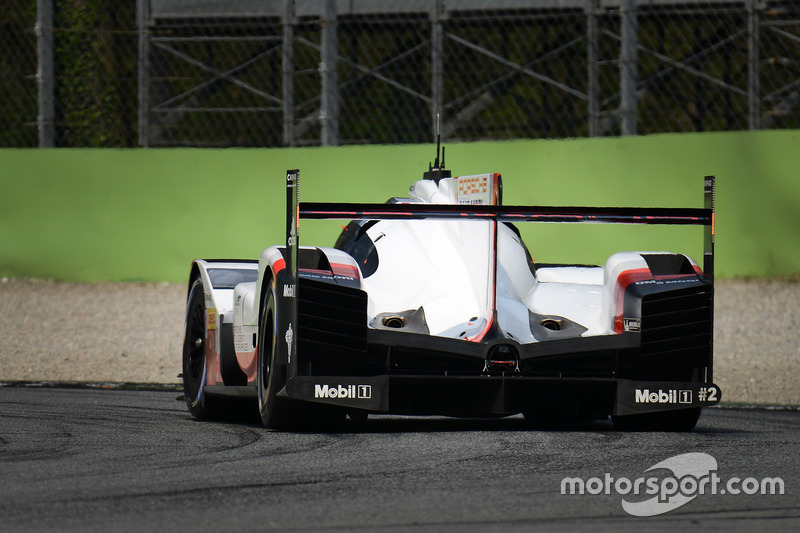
point(125, 460)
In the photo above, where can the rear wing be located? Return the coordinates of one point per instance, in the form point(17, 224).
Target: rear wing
point(295, 210)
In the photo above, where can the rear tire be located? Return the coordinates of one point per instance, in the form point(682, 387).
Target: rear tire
point(682, 420)
point(276, 413)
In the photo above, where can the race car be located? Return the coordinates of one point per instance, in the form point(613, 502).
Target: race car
point(430, 304)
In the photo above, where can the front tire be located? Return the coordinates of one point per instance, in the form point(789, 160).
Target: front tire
point(194, 355)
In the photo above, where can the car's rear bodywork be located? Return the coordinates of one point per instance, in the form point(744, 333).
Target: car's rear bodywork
point(431, 305)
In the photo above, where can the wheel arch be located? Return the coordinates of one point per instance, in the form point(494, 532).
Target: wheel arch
point(193, 274)
point(266, 283)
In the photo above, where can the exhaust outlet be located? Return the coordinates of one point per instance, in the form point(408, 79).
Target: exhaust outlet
point(551, 324)
point(394, 322)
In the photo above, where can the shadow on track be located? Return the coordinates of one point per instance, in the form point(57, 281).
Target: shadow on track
point(246, 414)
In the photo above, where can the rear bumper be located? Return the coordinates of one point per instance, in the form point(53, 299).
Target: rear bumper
point(500, 394)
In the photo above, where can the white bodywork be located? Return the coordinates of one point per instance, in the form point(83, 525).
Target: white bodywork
point(446, 268)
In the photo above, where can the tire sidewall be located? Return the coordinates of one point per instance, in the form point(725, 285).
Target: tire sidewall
point(193, 385)
point(267, 376)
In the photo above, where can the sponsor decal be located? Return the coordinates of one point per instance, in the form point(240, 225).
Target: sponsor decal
point(288, 291)
point(474, 190)
point(686, 278)
point(631, 324)
point(675, 396)
point(289, 337)
point(212, 318)
point(351, 392)
point(672, 483)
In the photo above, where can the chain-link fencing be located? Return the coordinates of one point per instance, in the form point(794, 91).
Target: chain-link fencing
point(121, 73)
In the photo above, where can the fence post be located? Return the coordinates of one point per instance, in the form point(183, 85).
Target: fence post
point(287, 68)
point(627, 67)
point(592, 52)
point(142, 18)
point(753, 67)
point(45, 76)
point(329, 109)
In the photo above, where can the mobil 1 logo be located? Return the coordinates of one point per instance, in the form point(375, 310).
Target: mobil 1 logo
point(349, 392)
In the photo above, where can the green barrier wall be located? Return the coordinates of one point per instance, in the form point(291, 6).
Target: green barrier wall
point(102, 214)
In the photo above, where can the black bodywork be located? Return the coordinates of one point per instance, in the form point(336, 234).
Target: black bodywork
point(664, 365)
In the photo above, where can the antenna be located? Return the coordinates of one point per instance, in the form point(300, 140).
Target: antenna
point(437, 171)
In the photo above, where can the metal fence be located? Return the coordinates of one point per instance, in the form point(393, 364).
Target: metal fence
point(121, 73)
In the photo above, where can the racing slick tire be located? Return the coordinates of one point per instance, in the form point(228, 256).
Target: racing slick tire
point(194, 357)
point(681, 420)
point(276, 413)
